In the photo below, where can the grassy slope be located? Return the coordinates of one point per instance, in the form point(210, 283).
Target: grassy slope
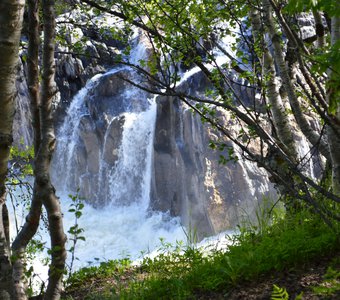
point(288, 246)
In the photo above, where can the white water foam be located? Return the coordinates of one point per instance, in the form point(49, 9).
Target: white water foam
point(119, 230)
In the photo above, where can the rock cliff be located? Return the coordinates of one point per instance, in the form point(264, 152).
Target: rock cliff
point(189, 180)
point(186, 178)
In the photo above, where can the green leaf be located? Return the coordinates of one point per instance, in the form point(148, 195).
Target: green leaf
point(279, 293)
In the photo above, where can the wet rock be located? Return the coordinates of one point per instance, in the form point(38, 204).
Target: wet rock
point(114, 95)
point(88, 190)
point(113, 140)
point(88, 135)
point(22, 127)
point(188, 180)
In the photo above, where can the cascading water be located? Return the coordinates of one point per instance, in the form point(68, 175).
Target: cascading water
point(115, 174)
point(68, 134)
point(130, 178)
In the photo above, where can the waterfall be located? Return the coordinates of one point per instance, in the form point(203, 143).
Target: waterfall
point(117, 221)
point(68, 136)
point(131, 176)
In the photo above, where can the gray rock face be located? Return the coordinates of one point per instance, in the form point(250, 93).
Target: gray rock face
point(22, 128)
point(91, 143)
point(306, 25)
point(186, 178)
point(114, 135)
point(189, 182)
point(90, 139)
point(97, 52)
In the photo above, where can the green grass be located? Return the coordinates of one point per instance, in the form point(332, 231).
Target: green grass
point(186, 272)
point(114, 269)
point(331, 282)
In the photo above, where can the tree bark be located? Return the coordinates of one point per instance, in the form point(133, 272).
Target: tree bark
point(333, 100)
point(312, 136)
point(33, 68)
point(45, 188)
point(19, 246)
point(32, 220)
point(319, 29)
point(11, 16)
point(280, 117)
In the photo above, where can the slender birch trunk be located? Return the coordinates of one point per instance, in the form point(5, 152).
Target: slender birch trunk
point(280, 118)
point(333, 95)
point(33, 68)
point(45, 188)
point(312, 136)
point(11, 15)
point(32, 220)
point(319, 29)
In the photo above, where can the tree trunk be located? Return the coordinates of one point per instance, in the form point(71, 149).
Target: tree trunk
point(45, 189)
point(312, 136)
point(32, 220)
point(11, 15)
point(280, 118)
point(33, 68)
point(44, 142)
point(319, 29)
point(333, 101)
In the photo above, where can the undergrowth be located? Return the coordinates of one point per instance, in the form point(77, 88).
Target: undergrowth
point(104, 270)
point(331, 282)
point(185, 272)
